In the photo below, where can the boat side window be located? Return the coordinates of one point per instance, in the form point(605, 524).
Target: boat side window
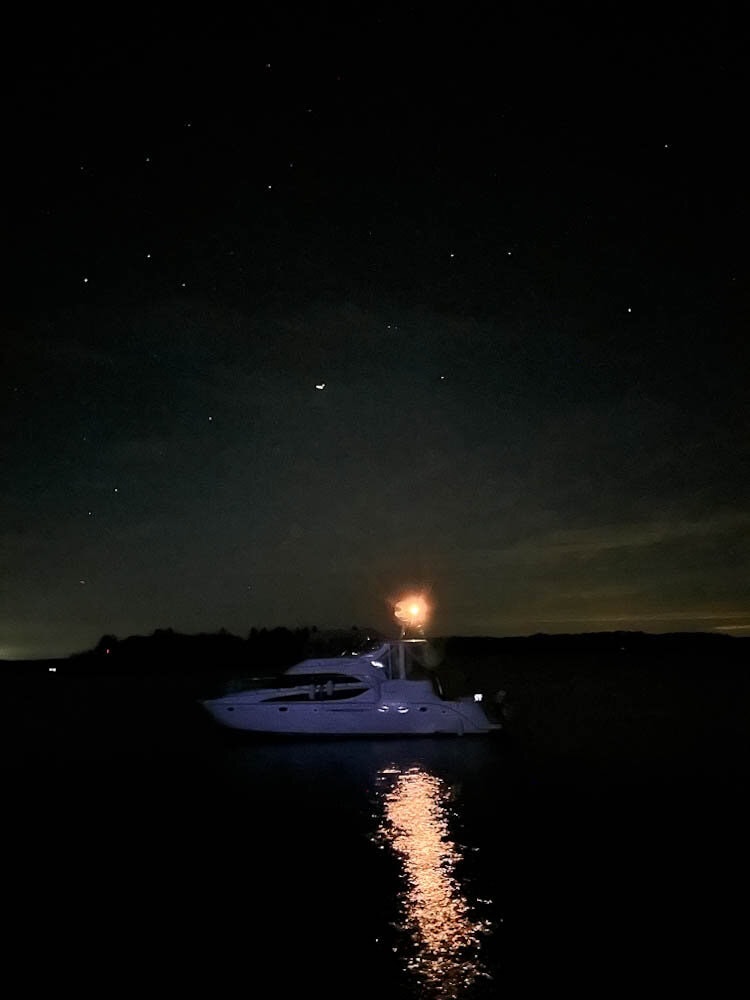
point(338, 686)
point(321, 687)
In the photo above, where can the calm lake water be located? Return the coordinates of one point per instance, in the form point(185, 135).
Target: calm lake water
point(146, 850)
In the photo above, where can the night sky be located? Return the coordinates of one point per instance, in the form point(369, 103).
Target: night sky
point(300, 317)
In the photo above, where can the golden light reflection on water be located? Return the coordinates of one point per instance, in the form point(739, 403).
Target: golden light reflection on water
point(443, 936)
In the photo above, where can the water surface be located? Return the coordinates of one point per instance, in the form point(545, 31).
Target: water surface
point(141, 849)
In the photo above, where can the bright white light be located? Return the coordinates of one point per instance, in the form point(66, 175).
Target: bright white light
point(478, 696)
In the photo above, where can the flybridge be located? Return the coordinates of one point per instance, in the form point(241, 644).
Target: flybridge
point(401, 660)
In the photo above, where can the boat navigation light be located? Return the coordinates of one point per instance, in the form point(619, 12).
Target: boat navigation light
point(412, 612)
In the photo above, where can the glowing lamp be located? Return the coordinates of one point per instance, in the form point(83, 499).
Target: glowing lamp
point(412, 613)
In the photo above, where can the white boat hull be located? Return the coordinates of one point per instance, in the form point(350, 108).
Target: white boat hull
point(369, 719)
point(370, 695)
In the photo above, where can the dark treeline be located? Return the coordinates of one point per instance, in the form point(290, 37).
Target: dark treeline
point(264, 649)
point(273, 649)
point(270, 650)
point(605, 642)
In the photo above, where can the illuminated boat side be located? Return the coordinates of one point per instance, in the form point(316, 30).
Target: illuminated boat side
point(387, 691)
